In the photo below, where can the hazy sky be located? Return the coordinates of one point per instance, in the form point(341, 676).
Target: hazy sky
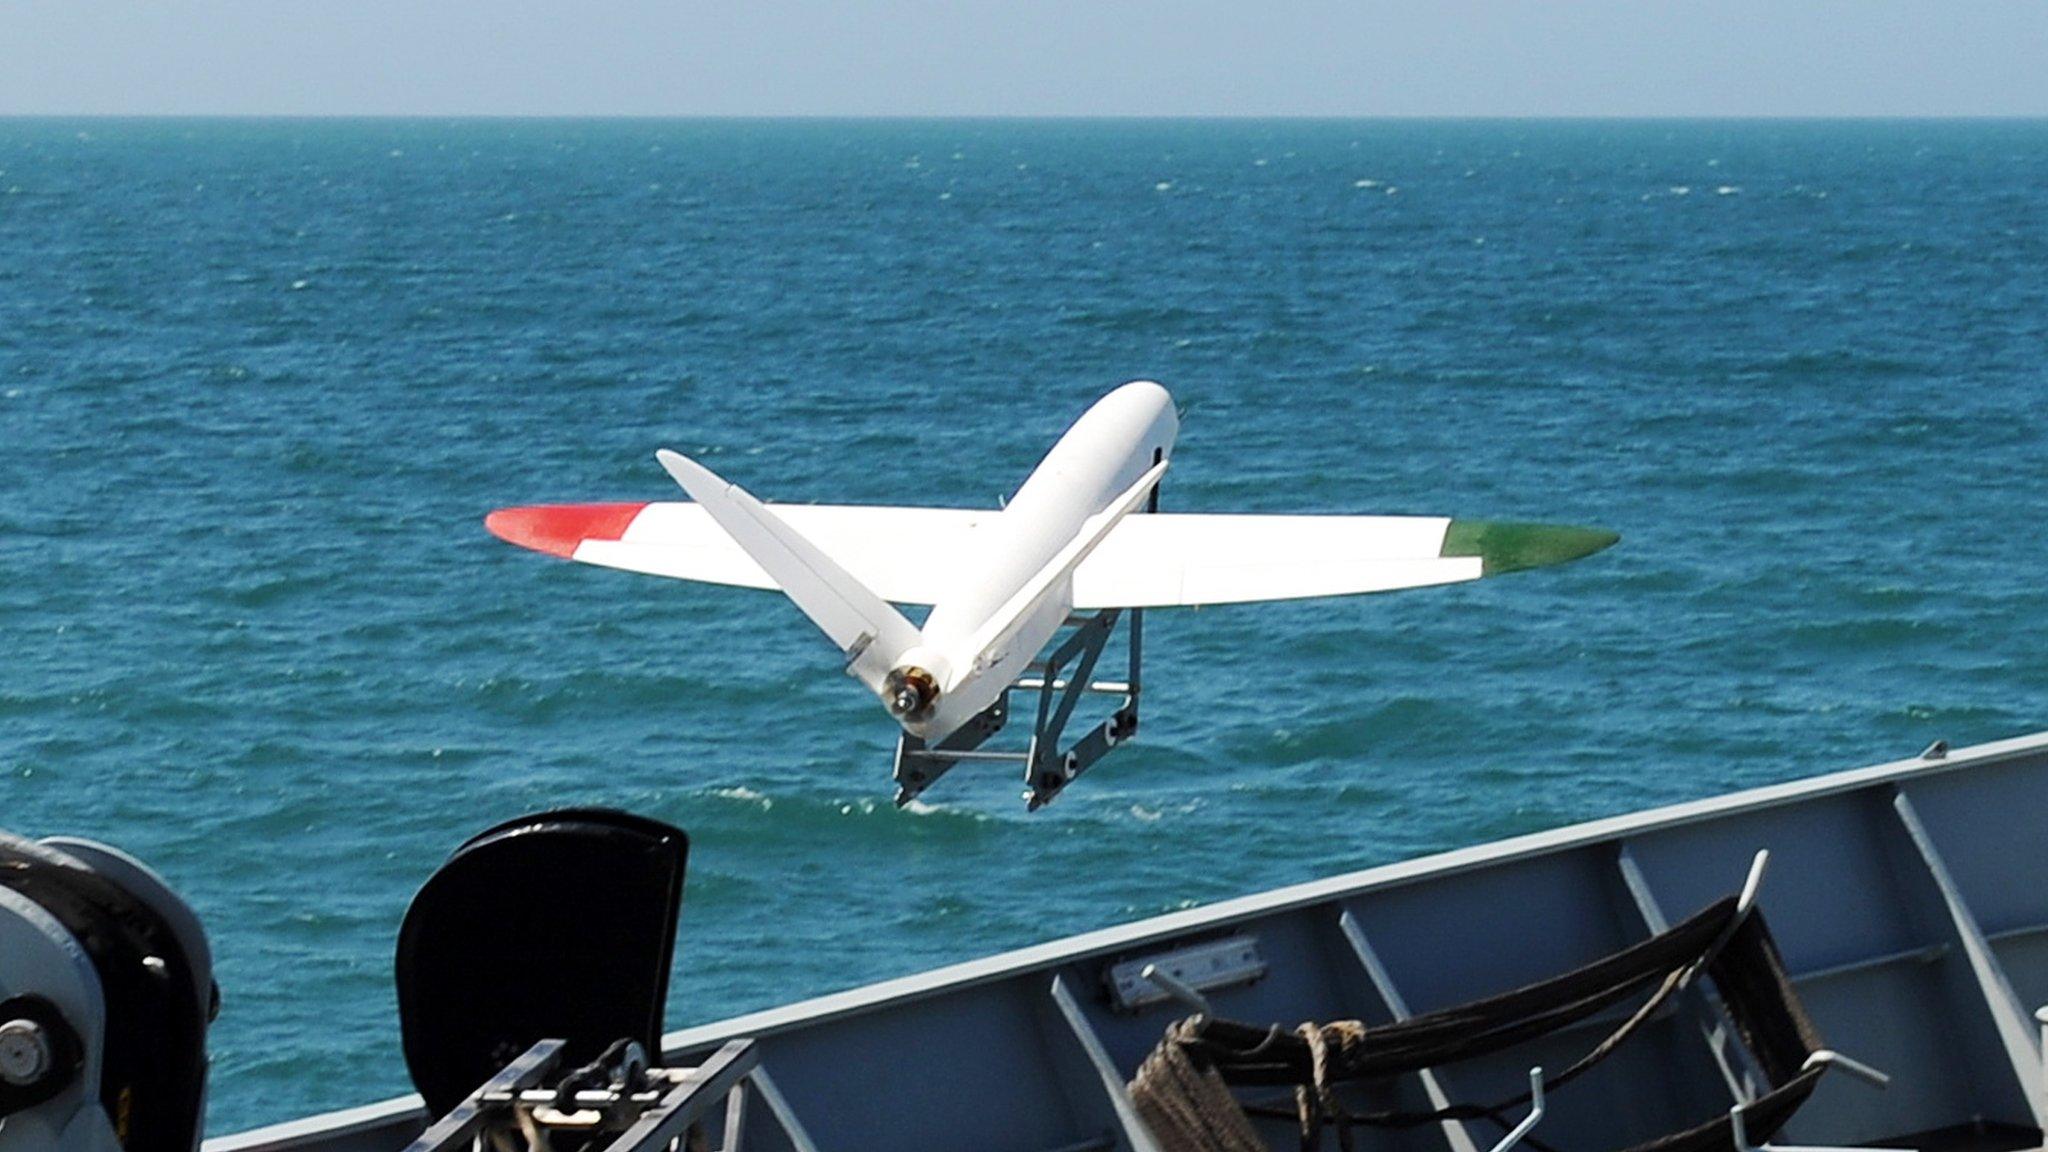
point(970, 57)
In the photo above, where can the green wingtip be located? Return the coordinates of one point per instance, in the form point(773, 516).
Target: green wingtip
point(1508, 547)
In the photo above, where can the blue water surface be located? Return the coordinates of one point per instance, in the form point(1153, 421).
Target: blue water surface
point(260, 381)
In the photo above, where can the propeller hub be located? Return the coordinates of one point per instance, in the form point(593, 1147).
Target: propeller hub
point(910, 692)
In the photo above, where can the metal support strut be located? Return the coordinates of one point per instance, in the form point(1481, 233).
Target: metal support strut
point(1060, 681)
point(1048, 768)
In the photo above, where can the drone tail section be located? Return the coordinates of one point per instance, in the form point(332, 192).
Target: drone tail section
point(871, 633)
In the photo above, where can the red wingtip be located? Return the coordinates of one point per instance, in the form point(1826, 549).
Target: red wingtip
point(557, 529)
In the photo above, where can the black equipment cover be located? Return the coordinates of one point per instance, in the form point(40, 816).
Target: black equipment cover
point(557, 925)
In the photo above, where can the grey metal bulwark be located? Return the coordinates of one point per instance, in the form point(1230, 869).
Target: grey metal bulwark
point(1909, 900)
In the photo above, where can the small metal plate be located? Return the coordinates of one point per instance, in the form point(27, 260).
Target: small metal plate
point(1216, 964)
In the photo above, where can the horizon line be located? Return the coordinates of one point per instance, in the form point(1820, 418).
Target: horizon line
point(1161, 117)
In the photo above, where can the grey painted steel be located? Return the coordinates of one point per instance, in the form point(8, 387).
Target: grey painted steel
point(1135, 1134)
point(1432, 1083)
point(1889, 928)
point(1185, 973)
point(382, 1126)
point(734, 1136)
point(2041, 1018)
point(2022, 1045)
point(1715, 1026)
point(792, 1128)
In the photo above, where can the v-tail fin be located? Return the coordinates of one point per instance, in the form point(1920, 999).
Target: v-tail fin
point(868, 629)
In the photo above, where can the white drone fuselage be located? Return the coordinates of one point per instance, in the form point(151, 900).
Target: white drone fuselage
point(1029, 550)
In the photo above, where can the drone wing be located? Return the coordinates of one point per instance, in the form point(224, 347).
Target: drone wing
point(905, 554)
point(1188, 559)
point(1148, 560)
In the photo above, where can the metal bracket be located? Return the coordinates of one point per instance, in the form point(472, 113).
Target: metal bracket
point(919, 765)
point(460, 1127)
point(1828, 1057)
point(1184, 974)
point(647, 1110)
point(1529, 1122)
point(1174, 988)
point(1059, 681)
point(1739, 1132)
point(693, 1096)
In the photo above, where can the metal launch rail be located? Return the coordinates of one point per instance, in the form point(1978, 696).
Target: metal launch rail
point(1909, 902)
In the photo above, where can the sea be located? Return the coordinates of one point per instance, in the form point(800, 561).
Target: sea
point(261, 380)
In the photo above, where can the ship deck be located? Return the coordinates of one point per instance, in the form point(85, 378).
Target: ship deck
point(1909, 902)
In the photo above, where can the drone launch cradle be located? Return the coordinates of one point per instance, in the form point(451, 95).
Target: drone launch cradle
point(1059, 682)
